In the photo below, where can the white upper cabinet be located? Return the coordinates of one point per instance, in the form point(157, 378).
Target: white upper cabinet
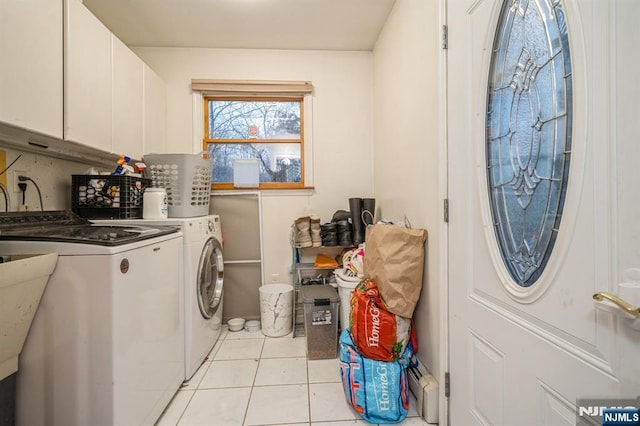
point(155, 113)
point(64, 76)
point(127, 101)
point(31, 65)
point(87, 78)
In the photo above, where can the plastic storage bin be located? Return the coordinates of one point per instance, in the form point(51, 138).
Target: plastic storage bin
point(187, 180)
point(321, 307)
point(108, 197)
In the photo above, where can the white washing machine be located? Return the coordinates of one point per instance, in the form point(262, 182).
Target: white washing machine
point(203, 282)
point(105, 345)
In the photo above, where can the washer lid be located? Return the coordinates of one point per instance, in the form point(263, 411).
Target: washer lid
point(66, 226)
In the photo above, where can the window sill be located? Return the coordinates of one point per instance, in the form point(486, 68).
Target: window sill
point(307, 190)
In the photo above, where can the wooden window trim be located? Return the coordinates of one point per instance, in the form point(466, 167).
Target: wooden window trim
point(251, 87)
point(263, 185)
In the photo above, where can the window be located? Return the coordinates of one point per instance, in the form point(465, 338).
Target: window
point(266, 129)
point(259, 121)
point(528, 133)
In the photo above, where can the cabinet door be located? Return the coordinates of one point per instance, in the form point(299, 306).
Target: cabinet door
point(155, 113)
point(127, 101)
point(87, 78)
point(31, 71)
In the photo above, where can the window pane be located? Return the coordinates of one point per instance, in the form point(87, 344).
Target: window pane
point(249, 119)
point(528, 146)
point(279, 162)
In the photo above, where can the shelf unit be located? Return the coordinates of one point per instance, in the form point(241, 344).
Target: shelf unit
point(304, 268)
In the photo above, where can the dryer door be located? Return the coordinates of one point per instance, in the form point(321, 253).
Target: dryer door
point(210, 278)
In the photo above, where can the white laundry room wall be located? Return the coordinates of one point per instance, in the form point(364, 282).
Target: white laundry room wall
point(51, 175)
point(407, 147)
point(342, 126)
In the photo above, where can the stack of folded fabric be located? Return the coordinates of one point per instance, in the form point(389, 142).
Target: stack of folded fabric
point(324, 261)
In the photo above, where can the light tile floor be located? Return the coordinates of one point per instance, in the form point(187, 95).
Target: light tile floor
point(250, 379)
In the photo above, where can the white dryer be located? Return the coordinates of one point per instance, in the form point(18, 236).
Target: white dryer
point(203, 283)
point(204, 278)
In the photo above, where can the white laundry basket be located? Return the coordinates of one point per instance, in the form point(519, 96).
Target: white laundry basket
point(346, 284)
point(187, 180)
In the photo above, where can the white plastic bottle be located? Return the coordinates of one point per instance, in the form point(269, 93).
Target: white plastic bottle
point(154, 204)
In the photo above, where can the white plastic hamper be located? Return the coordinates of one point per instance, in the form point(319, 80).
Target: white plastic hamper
point(276, 309)
point(187, 179)
point(346, 285)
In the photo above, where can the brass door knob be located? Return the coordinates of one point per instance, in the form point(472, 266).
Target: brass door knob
point(600, 296)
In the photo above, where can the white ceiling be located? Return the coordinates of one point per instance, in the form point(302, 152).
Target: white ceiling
point(245, 24)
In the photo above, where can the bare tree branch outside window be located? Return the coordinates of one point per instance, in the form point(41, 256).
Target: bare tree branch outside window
point(268, 130)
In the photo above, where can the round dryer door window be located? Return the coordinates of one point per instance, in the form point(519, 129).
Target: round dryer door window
point(210, 278)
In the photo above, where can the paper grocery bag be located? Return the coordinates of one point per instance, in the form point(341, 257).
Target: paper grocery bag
point(394, 260)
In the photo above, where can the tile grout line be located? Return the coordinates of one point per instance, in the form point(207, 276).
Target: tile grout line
point(253, 384)
point(184, 410)
point(308, 388)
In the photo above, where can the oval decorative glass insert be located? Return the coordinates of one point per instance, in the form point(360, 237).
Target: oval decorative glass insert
point(528, 133)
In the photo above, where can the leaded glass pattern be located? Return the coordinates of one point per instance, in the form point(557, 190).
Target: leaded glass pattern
point(528, 133)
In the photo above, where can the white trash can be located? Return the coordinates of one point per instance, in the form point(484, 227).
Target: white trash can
point(276, 309)
point(346, 284)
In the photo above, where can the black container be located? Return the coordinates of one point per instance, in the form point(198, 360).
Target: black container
point(108, 197)
point(8, 400)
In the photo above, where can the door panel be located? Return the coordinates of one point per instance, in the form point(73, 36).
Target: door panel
point(523, 356)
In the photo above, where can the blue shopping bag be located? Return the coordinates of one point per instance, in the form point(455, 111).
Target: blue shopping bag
point(377, 390)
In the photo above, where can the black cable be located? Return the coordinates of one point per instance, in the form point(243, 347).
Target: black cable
point(23, 188)
point(7, 168)
point(22, 179)
point(7, 202)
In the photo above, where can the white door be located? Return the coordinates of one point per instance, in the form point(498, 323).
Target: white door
point(525, 355)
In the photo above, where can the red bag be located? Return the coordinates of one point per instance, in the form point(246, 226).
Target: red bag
point(377, 333)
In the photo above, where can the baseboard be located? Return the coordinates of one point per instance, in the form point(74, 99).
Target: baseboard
point(425, 388)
